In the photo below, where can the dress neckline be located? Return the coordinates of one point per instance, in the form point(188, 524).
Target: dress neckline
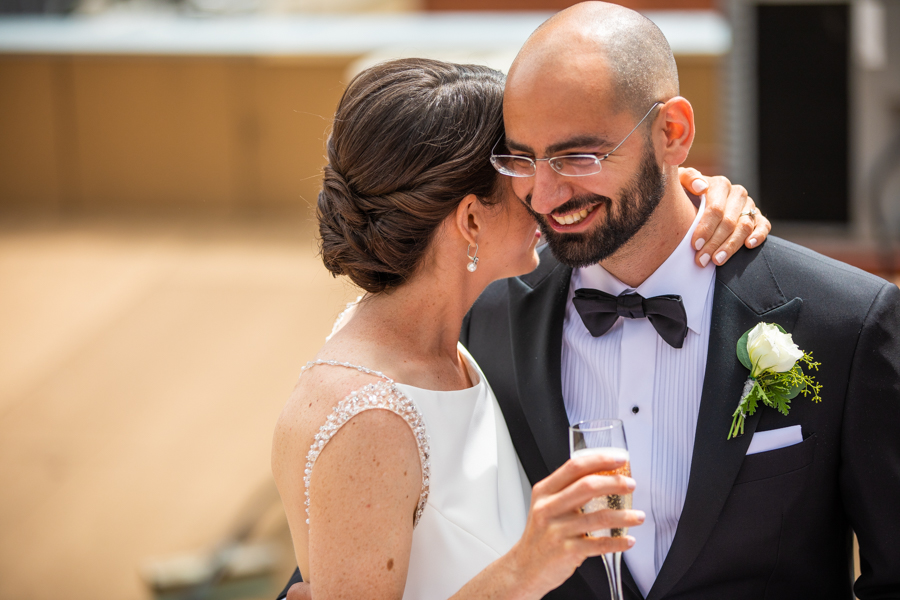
point(471, 369)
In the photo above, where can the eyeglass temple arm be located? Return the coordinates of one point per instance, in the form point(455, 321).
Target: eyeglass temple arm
point(494, 147)
point(655, 104)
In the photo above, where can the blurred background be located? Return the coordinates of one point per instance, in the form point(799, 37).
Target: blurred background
point(159, 286)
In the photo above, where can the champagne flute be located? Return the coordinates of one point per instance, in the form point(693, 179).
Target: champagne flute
point(607, 437)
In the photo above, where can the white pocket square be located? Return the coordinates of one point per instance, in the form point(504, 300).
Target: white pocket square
point(764, 441)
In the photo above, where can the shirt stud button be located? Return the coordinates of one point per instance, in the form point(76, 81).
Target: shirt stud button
point(635, 409)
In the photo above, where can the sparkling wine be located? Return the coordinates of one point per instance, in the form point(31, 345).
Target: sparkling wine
point(605, 437)
point(610, 501)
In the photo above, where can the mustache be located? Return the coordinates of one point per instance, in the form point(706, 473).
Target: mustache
point(573, 204)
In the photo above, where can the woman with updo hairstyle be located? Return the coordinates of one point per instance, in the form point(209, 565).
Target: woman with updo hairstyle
point(436, 122)
point(392, 458)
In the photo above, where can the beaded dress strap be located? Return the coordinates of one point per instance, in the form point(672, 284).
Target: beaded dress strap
point(334, 363)
point(340, 317)
point(383, 395)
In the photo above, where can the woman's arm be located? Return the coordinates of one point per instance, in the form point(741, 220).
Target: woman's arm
point(367, 462)
point(364, 490)
point(723, 228)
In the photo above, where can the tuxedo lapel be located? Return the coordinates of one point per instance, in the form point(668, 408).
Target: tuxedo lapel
point(594, 573)
point(746, 293)
point(537, 311)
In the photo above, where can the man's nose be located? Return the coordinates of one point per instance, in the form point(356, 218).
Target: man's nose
point(549, 189)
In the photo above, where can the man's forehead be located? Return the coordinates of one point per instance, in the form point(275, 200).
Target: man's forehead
point(543, 119)
point(564, 67)
point(555, 137)
point(583, 80)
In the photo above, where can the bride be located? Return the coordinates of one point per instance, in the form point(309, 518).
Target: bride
point(392, 457)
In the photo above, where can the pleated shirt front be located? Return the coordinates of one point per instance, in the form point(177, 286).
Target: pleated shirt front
point(632, 374)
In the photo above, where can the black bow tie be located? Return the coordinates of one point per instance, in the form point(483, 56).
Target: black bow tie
point(599, 311)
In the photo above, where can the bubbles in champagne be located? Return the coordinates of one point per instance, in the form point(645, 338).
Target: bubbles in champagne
point(611, 501)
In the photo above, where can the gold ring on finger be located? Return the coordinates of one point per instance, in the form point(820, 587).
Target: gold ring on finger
point(750, 213)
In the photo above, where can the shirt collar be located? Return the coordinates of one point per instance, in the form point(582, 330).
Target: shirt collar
point(677, 275)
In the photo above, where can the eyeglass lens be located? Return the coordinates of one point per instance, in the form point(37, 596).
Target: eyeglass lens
point(571, 165)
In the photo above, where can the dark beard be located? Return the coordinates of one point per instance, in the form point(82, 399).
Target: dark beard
point(637, 202)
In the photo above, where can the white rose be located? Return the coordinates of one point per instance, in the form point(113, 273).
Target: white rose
point(771, 350)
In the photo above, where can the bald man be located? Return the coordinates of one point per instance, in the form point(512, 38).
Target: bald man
point(595, 131)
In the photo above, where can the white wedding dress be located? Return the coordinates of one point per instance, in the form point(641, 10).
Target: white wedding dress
point(475, 494)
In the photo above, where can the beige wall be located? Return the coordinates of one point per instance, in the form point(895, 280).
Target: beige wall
point(699, 80)
point(29, 174)
point(162, 134)
point(211, 135)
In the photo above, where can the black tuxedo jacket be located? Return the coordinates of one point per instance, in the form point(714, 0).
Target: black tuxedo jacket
point(774, 525)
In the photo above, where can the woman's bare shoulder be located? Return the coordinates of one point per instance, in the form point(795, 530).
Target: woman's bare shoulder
point(319, 391)
point(362, 459)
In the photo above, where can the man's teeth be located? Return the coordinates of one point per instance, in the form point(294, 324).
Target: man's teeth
point(574, 217)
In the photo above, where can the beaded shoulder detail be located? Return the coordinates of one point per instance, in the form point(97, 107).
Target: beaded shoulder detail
point(338, 322)
point(383, 395)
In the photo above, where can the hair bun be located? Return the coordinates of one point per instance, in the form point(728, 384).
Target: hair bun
point(410, 139)
point(350, 236)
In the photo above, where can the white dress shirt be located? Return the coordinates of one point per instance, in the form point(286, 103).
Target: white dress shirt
point(632, 374)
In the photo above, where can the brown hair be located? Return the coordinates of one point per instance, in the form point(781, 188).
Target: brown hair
point(411, 138)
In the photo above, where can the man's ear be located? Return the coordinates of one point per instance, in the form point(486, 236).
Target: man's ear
point(679, 128)
point(468, 218)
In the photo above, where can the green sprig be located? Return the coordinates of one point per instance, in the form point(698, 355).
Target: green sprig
point(775, 390)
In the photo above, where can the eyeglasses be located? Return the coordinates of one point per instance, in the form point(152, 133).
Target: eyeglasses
point(570, 165)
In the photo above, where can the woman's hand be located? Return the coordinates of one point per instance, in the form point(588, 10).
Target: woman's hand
point(730, 220)
point(554, 543)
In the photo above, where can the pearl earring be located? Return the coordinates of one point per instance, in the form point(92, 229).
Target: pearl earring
point(473, 258)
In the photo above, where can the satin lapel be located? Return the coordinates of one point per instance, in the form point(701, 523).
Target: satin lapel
point(537, 311)
point(629, 584)
point(594, 573)
point(746, 293)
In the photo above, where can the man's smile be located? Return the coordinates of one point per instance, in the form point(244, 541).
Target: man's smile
point(572, 220)
point(573, 217)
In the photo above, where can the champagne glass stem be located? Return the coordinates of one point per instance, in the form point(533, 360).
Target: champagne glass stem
point(613, 564)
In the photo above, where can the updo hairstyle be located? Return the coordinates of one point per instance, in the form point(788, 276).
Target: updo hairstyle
point(411, 138)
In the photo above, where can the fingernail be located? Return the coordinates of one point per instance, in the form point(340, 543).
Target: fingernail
point(630, 483)
point(699, 186)
point(752, 242)
point(630, 540)
point(641, 515)
point(699, 244)
point(704, 260)
point(720, 257)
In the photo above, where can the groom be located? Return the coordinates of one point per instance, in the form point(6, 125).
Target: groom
point(768, 514)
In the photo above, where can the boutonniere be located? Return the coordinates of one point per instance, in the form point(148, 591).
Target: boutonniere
point(776, 376)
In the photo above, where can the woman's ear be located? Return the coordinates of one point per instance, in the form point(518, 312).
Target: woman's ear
point(469, 218)
point(679, 127)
